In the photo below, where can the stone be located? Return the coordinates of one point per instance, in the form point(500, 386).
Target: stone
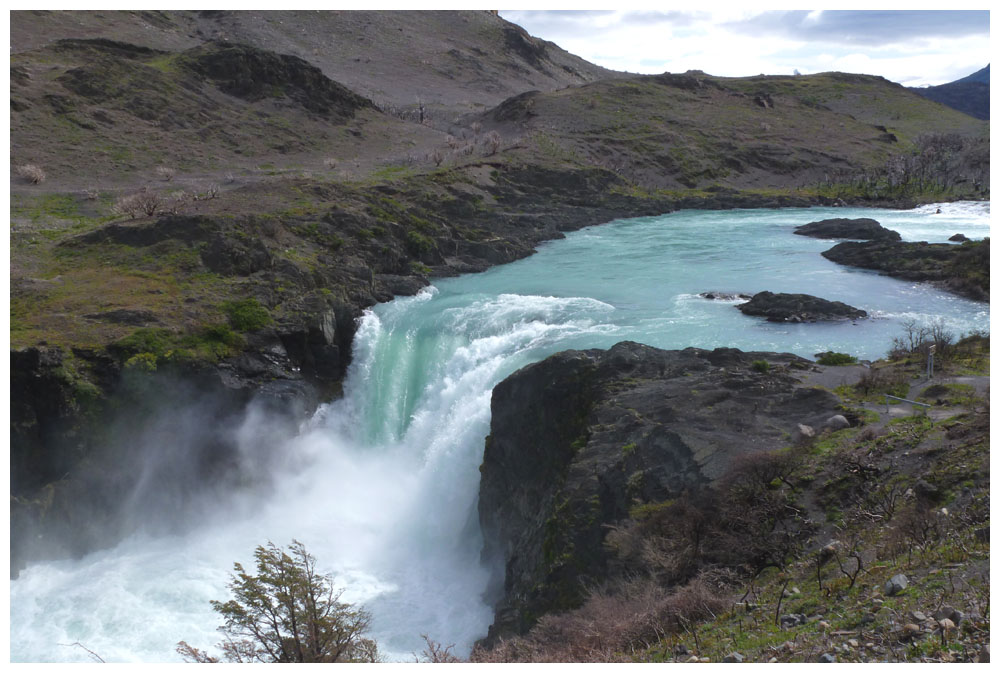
point(836, 422)
point(860, 229)
point(806, 431)
point(895, 585)
point(693, 660)
point(984, 654)
point(910, 630)
point(824, 624)
point(792, 619)
point(946, 624)
point(772, 660)
point(827, 658)
point(957, 616)
point(944, 612)
point(959, 238)
point(681, 649)
point(733, 658)
point(545, 436)
point(852, 642)
point(918, 616)
point(784, 307)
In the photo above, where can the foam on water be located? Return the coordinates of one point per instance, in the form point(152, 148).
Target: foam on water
point(381, 486)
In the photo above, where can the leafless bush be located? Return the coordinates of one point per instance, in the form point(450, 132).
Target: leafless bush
point(165, 173)
point(176, 201)
point(91, 194)
point(453, 142)
point(210, 193)
point(611, 625)
point(32, 173)
point(230, 178)
point(436, 653)
point(492, 143)
point(437, 156)
point(141, 203)
point(476, 127)
point(330, 163)
point(592, 103)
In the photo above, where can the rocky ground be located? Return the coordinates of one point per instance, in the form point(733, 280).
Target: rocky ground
point(864, 539)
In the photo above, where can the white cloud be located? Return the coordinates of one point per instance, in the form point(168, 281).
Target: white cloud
point(733, 41)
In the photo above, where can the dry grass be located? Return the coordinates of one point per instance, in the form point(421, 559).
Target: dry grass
point(32, 173)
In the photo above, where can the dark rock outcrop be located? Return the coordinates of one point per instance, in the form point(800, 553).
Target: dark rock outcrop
point(862, 229)
point(782, 307)
point(963, 269)
point(959, 238)
point(579, 438)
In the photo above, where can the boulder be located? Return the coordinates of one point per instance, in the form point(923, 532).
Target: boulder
point(861, 229)
point(959, 238)
point(577, 439)
point(782, 307)
point(836, 422)
point(895, 585)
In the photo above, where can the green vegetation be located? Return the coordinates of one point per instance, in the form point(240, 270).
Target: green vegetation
point(761, 366)
point(836, 359)
point(247, 315)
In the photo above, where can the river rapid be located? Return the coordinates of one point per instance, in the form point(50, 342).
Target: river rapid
point(381, 486)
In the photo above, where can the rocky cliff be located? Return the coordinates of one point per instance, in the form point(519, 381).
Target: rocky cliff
point(578, 440)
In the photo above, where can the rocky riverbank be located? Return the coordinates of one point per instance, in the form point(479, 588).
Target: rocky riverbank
point(658, 506)
point(580, 439)
point(963, 269)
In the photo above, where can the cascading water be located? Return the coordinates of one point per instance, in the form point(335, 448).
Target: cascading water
point(381, 486)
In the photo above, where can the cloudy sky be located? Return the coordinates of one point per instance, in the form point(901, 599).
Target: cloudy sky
point(912, 47)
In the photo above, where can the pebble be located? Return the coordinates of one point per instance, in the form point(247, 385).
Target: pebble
point(772, 660)
point(733, 658)
point(852, 642)
point(911, 630)
point(984, 654)
point(827, 658)
point(824, 624)
point(946, 624)
point(693, 660)
point(918, 616)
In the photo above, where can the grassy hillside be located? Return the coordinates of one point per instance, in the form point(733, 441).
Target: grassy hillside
point(693, 131)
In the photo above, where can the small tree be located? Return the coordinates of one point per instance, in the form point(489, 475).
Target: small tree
point(287, 613)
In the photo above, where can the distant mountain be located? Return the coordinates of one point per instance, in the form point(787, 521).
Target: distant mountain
point(978, 76)
point(970, 95)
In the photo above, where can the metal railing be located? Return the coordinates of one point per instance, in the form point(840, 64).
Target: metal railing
point(903, 399)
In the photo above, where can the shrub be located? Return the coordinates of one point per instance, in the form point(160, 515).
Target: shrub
point(165, 173)
point(144, 203)
point(145, 340)
point(145, 362)
point(418, 243)
point(32, 173)
point(762, 366)
point(492, 142)
point(247, 315)
point(287, 613)
point(836, 359)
